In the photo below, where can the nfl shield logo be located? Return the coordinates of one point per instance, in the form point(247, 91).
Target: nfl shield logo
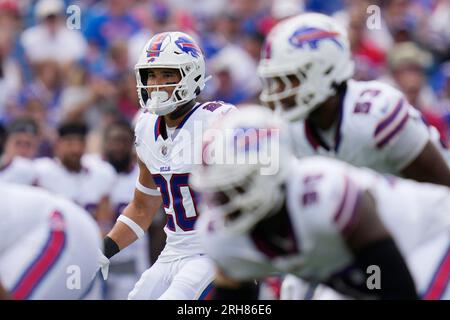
point(164, 150)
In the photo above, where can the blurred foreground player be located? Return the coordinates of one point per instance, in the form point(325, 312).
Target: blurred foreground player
point(306, 68)
point(49, 246)
point(317, 218)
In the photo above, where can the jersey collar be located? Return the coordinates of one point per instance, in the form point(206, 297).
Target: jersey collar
point(313, 136)
point(160, 125)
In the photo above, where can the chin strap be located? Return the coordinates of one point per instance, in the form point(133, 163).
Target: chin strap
point(181, 110)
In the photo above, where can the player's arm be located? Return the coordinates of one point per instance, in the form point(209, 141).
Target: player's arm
point(372, 244)
point(230, 289)
point(406, 142)
point(428, 166)
point(137, 216)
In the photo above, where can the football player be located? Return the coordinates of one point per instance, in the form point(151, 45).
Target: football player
point(20, 148)
point(318, 218)
point(49, 245)
point(170, 74)
point(306, 69)
point(71, 174)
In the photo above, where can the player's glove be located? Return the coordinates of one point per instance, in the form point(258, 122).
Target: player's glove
point(103, 263)
point(110, 248)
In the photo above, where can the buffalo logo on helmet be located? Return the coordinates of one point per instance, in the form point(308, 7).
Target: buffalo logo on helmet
point(312, 37)
point(188, 46)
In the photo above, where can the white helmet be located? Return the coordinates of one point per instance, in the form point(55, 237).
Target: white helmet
point(175, 50)
point(315, 49)
point(238, 192)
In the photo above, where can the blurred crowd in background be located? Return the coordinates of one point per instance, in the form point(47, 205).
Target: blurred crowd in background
point(52, 73)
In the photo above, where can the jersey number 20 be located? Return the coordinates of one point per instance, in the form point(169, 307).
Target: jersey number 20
point(177, 181)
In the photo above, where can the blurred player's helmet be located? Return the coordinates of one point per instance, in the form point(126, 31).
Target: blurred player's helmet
point(245, 160)
point(175, 50)
point(311, 49)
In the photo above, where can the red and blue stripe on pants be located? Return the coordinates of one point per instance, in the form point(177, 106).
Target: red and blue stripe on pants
point(441, 279)
point(208, 292)
point(44, 261)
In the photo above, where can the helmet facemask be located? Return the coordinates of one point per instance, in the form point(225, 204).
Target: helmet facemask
point(158, 100)
point(300, 94)
point(281, 100)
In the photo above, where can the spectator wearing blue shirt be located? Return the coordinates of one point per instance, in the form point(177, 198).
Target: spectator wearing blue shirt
point(112, 25)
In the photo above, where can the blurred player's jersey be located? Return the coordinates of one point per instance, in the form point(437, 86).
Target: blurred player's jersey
point(45, 240)
point(376, 128)
point(86, 188)
point(170, 156)
point(19, 170)
point(321, 198)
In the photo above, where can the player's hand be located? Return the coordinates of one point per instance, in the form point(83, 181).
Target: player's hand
point(103, 263)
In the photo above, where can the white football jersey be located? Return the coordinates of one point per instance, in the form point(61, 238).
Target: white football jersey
point(377, 128)
point(170, 162)
point(321, 197)
point(86, 188)
point(19, 170)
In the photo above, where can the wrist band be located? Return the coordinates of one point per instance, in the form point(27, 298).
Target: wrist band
point(110, 247)
point(133, 225)
point(147, 191)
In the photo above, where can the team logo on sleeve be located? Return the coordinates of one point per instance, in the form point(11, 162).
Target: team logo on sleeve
point(212, 106)
point(312, 37)
point(188, 46)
